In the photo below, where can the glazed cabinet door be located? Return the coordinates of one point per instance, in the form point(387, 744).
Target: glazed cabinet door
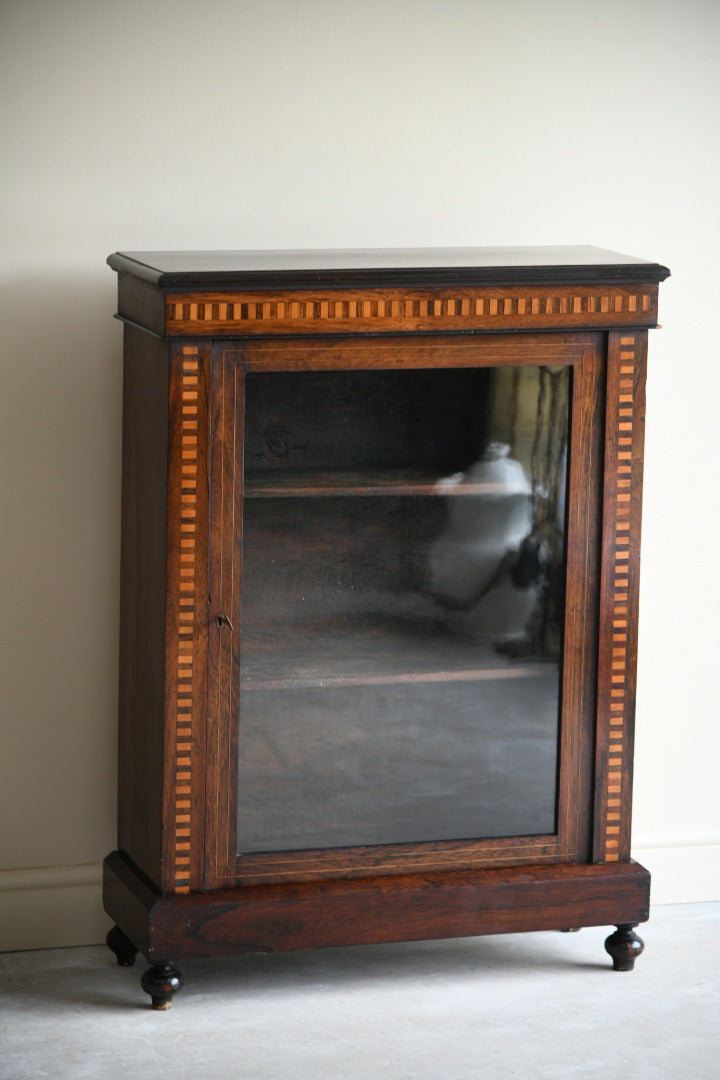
point(403, 568)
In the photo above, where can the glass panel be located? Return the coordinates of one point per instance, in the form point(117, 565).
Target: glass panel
point(402, 599)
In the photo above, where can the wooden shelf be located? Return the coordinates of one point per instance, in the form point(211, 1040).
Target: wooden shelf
point(387, 659)
point(289, 484)
point(308, 682)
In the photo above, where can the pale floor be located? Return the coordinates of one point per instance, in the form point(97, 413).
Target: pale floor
point(531, 1006)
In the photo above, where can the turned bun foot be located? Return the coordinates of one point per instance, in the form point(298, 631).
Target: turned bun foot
point(122, 946)
point(624, 946)
point(162, 982)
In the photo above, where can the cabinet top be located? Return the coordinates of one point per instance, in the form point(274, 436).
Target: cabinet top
point(384, 267)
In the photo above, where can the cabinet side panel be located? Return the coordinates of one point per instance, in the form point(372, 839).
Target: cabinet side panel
point(142, 604)
point(619, 593)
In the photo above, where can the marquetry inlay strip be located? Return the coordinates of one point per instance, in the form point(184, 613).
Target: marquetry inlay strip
point(377, 309)
point(185, 703)
point(616, 675)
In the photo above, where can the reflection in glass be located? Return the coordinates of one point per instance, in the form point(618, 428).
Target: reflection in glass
point(402, 600)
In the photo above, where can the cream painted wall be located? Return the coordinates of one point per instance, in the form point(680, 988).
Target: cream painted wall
point(330, 123)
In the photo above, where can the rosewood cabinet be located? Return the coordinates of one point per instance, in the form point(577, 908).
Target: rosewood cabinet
point(380, 551)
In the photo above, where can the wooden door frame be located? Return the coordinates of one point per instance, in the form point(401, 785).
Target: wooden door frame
point(572, 843)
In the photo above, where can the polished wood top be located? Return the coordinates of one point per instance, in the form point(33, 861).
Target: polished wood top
point(384, 267)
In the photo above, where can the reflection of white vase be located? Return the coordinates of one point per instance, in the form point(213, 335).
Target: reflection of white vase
point(484, 529)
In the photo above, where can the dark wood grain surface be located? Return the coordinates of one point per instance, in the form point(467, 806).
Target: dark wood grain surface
point(200, 327)
point(289, 269)
point(409, 907)
point(142, 600)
